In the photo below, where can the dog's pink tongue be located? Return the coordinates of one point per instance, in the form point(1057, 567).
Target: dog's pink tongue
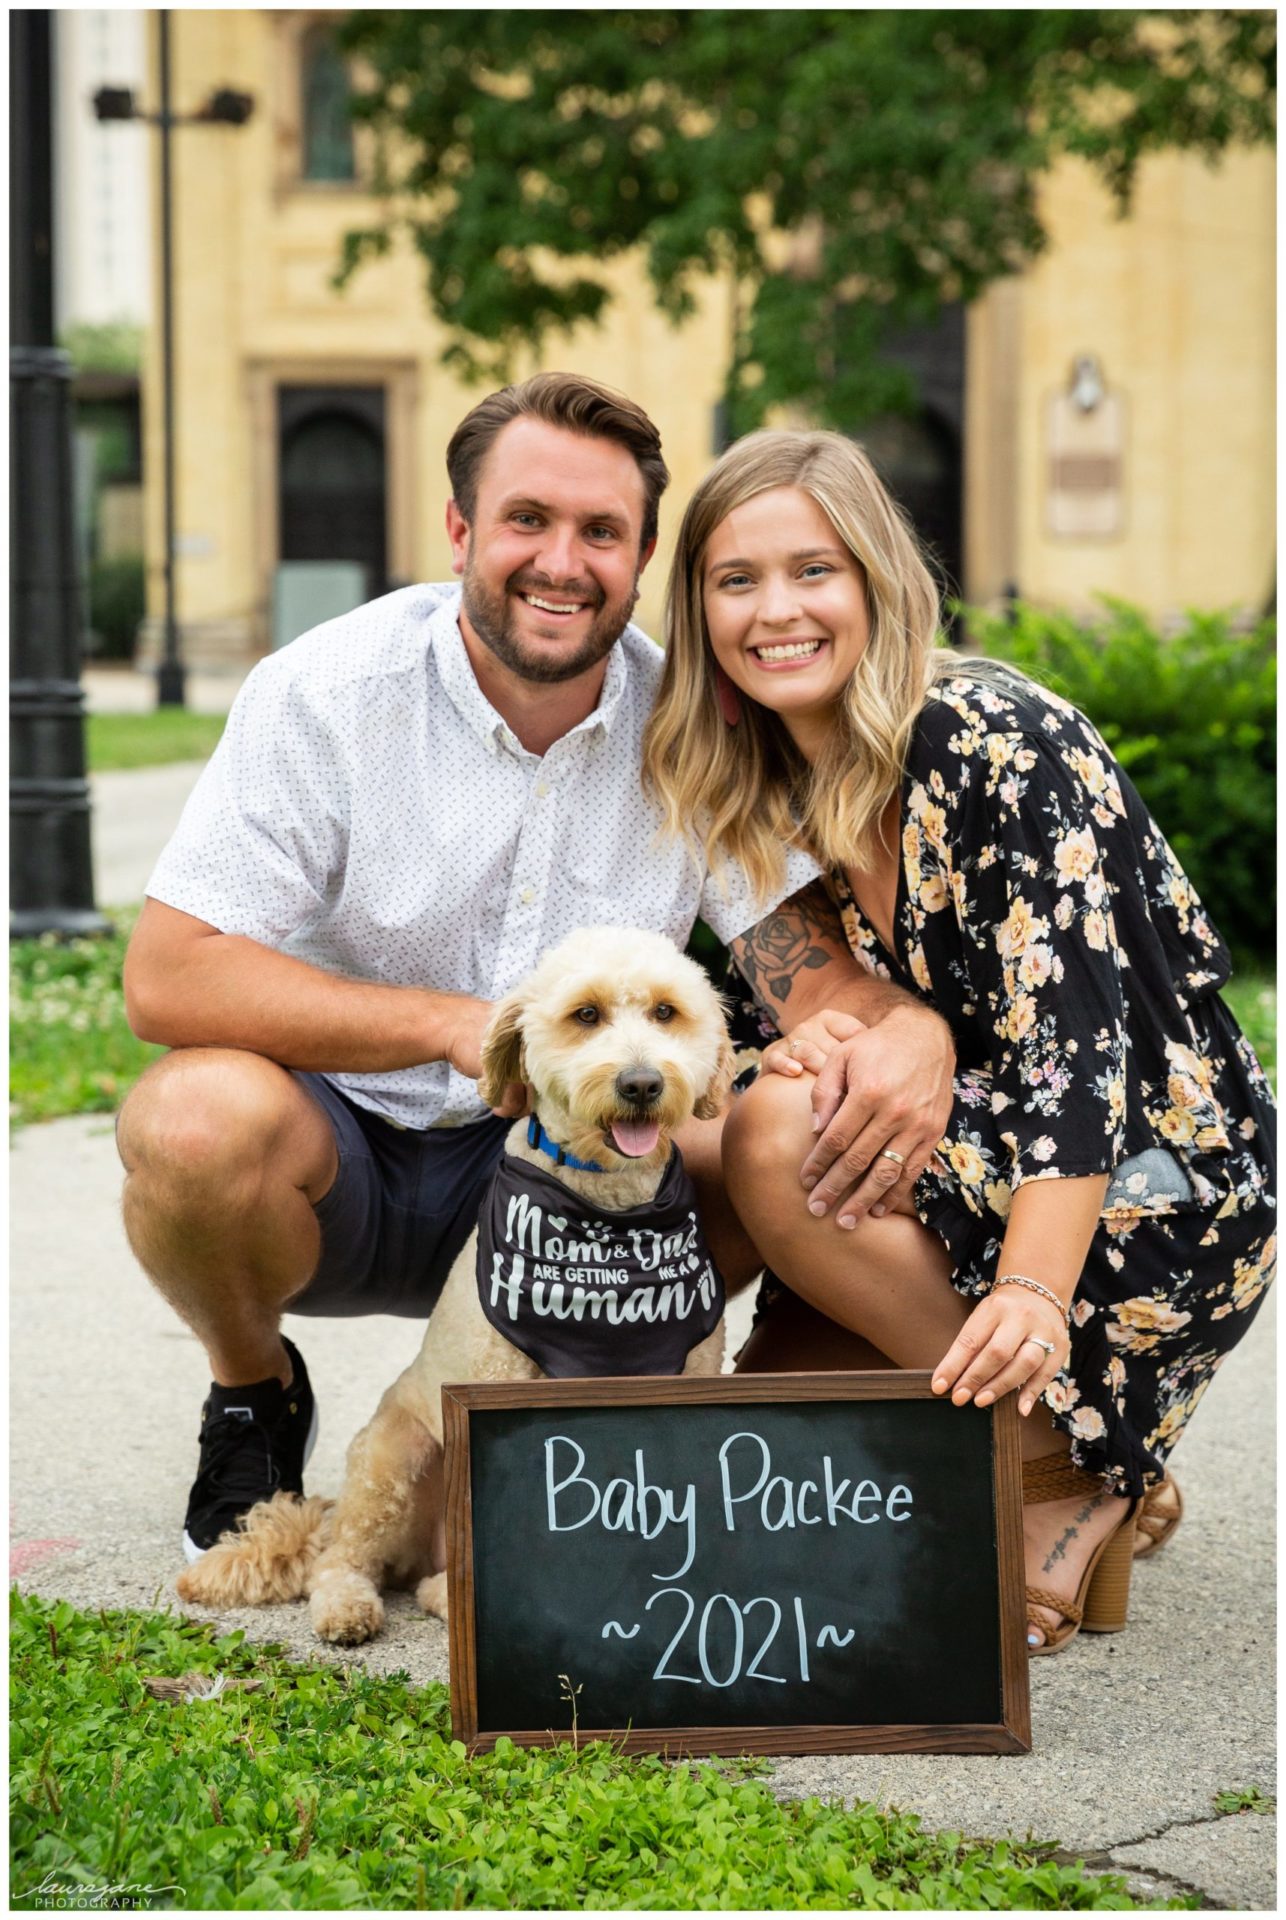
point(635, 1137)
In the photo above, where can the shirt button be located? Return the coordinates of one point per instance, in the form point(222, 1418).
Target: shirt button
point(542, 789)
point(527, 895)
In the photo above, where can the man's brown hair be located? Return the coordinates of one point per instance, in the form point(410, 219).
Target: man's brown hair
point(561, 400)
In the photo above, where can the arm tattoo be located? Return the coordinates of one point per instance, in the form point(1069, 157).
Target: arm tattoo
point(802, 934)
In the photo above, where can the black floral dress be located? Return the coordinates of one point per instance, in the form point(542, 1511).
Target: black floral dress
point(1042, 913)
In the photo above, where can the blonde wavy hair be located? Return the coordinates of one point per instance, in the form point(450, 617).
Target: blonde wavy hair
point(745, 793)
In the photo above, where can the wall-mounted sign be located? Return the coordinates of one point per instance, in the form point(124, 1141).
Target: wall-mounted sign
point(1085, 458)
point(764, 1563)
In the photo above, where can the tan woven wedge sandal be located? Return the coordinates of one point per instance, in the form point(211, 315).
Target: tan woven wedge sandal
point(1102, 1600)
point(1157, 1517)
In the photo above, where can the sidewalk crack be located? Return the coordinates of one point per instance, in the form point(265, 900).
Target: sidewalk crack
point(1177, 1826)
point(1104, 1860)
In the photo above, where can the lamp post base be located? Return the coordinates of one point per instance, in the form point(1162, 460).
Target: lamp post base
point(171, 684)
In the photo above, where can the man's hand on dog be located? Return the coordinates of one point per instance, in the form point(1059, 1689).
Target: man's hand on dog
point(887, 1086)
point(470, 1018)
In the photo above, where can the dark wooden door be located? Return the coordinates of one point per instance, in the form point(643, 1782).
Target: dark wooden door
point(333, 493)
point(920, 457)
point(919, 460)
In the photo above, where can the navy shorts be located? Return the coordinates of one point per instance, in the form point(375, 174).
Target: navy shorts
point(402, 1205)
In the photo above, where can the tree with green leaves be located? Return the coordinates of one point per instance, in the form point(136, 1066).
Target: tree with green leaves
point(852, 170)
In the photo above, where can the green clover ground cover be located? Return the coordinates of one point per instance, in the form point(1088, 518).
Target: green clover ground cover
point(329, 1788)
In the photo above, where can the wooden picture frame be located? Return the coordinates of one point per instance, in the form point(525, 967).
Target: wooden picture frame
point(1009, 1733)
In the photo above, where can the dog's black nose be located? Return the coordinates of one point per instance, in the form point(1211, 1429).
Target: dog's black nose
point(640, 1086)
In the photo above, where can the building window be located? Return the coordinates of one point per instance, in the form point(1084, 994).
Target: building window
point(328, 131)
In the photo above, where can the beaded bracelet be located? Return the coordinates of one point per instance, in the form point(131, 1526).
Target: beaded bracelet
point(1034, 1286)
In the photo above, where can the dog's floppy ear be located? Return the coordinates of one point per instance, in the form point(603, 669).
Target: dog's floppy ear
point(711, 1103)
point(502, 1055)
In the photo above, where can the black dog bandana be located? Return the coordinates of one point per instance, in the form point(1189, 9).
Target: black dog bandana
point(582, 1291)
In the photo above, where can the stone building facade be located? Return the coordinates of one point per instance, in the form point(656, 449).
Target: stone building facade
point(1102, 423)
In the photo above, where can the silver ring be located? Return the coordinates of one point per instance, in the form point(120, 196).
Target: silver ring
point(792, 1048)
point(1048, 1345)
point(887, 1153)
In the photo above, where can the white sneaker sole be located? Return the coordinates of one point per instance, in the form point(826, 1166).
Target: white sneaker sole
point(192, 1552)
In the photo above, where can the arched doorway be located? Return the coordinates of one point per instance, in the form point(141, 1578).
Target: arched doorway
point(332, 484)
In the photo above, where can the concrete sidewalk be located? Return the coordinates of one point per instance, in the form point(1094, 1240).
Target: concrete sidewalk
point(1134, 1734)
point(134, 813)
point(119, 688)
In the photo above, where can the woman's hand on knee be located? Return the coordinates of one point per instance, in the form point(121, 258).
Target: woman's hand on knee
point(881, 1103)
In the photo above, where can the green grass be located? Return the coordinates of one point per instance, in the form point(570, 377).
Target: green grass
point(1252, 995)
point(329, 1788)
point(119, 740)
point(70, 1049)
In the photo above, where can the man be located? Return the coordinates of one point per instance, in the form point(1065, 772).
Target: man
point(408, 806)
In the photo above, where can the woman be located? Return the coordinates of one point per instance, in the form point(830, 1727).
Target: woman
point(1096, 1228)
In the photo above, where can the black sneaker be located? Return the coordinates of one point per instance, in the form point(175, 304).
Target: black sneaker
point(255, 1441)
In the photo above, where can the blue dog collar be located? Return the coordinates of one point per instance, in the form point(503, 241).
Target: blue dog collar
point(538, 1138)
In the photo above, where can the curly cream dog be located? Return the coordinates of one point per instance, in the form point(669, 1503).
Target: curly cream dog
point(620, 1038)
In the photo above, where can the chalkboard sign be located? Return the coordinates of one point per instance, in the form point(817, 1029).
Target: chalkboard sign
point(769, 1563)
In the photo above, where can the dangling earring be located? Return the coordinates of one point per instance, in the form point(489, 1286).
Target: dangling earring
point(728, 697)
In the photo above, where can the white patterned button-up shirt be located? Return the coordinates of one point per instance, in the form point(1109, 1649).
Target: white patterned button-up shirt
point(369, 811)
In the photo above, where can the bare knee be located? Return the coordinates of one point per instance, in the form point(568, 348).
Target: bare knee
point(766, 1139)
point(214, 1114)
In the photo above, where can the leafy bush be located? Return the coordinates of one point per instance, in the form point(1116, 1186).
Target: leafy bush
point(108, 346)
point(117, 604)
point(1190, 716)
point(70, 1047)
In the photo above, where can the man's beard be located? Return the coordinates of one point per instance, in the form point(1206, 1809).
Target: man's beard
point(491, 616)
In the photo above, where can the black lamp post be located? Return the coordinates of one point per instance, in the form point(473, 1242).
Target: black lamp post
point(51, 880)
point(223, 108)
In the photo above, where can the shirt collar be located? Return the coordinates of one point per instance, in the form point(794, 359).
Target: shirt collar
point(447, 649)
